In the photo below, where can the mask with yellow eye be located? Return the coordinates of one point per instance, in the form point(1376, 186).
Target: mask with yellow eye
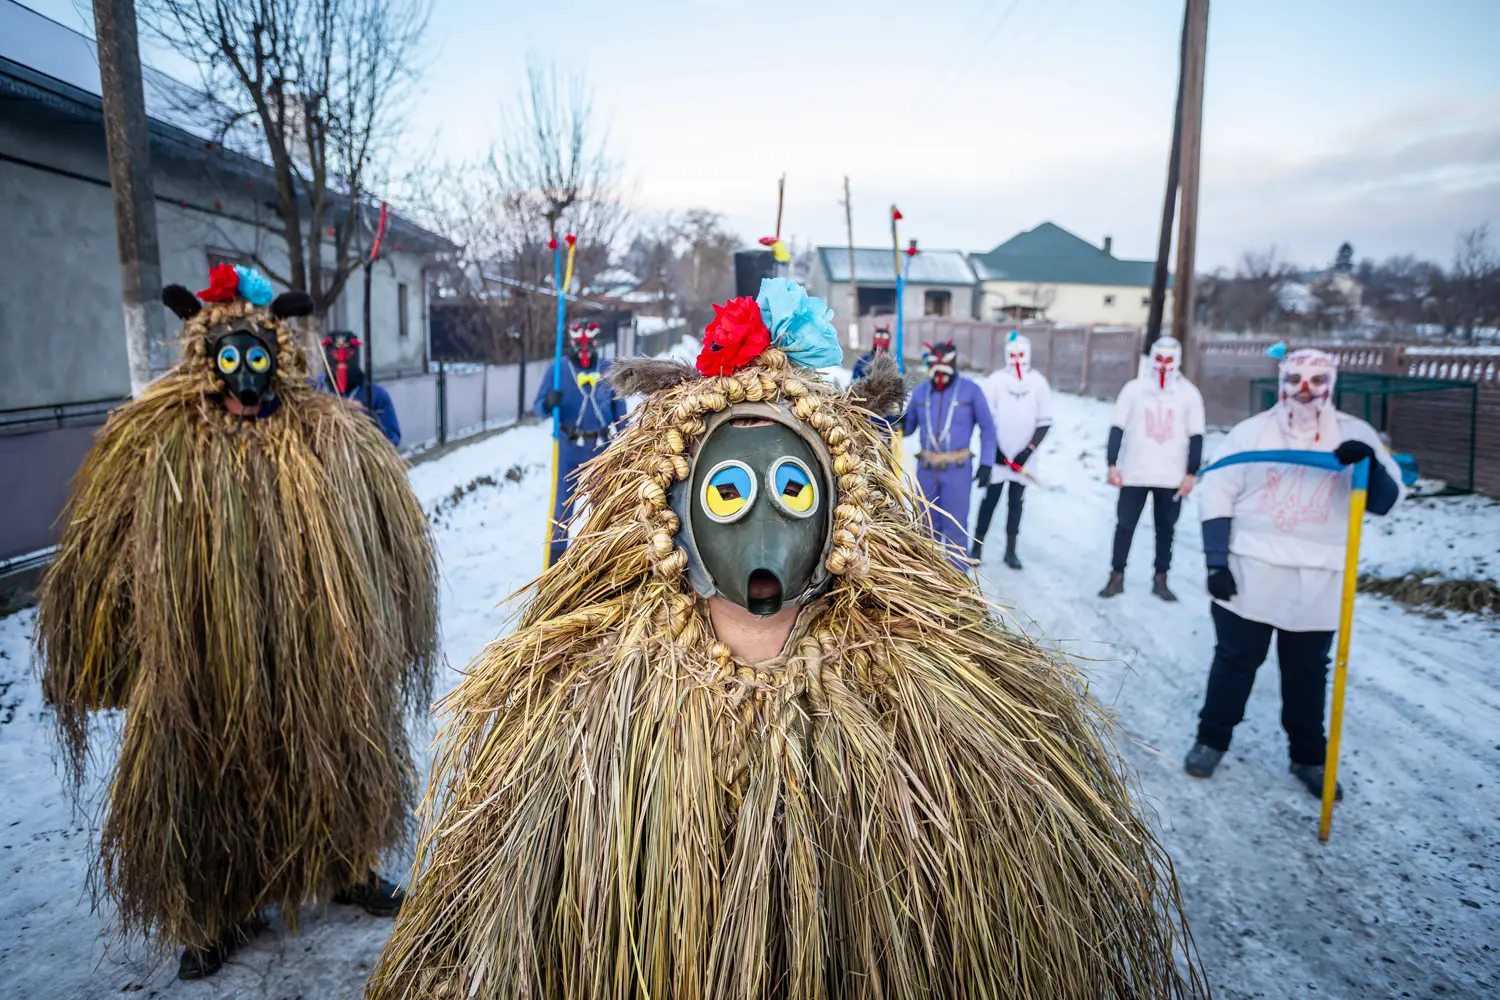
point(244, 363)
point(755, 511)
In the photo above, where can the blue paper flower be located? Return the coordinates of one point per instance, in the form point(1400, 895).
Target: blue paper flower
point(800, 324)
point(1277, 350)
point(255, 288)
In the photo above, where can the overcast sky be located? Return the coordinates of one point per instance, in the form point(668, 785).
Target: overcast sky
point(1374, 121)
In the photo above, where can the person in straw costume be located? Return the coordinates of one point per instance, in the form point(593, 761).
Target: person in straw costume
point(245, 572)
point(756, 736)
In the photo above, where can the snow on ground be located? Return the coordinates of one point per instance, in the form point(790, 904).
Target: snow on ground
point(1403, 901)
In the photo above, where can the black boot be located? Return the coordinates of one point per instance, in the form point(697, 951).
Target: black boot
point(976, 550)
point(201, 963)
point(1311, 776)
point(374, 895)
point(1010, 552)
point(1116, 585)
point(1159, 588)
point(1201, 760)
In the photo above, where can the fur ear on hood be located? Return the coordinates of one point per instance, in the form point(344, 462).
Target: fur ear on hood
point(882, 391)
point(181, 301)
point(629, 376)
point(289, 304)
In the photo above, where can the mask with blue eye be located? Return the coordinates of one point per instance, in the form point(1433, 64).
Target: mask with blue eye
point(756, 510)
point(244, 362)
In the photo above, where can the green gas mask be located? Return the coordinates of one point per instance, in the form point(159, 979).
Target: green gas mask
point(756, 510)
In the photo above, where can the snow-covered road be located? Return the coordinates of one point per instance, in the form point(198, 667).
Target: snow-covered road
point(1404, 901)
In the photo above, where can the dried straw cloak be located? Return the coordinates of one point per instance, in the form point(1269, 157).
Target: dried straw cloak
point(259, 596)
point(912, 801)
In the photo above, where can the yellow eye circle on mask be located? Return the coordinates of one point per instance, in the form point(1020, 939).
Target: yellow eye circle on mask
point(793, 487)
point(229, 358)
point(258, 359)
point(728, 491)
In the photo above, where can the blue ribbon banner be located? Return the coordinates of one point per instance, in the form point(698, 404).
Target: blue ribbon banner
point(1287, 456)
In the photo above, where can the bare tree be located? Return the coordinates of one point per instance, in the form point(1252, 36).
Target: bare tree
point(1473, 284)
point(1248, 299)
point(320, 83)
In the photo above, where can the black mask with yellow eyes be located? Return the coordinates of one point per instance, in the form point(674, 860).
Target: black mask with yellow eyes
point(758, 510)
point(244, 364)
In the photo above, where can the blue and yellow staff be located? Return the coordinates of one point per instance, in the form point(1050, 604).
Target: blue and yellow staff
point(562, 283)
point(1361, 483)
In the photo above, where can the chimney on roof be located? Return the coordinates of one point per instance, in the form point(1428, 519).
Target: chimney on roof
point(1109, 243)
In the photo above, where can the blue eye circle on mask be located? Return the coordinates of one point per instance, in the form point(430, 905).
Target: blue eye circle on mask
point(229, 358)
point(728, 491)
point(258, 359)
point(793, 488)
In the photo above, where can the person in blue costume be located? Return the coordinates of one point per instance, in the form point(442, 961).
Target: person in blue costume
point(345, 377)
point(590, 411)
point(945, 410)
point(881, 346)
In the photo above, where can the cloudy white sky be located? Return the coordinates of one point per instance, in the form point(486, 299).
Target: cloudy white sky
point(1373, 121)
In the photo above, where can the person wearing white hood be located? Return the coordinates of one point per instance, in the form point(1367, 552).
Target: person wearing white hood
point(1155, 448)
point(1273, 539)
point(1020, 402)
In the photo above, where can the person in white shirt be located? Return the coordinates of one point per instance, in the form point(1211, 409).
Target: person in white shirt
point(1020, 402)
point(1273, 538)
point(1155, 448)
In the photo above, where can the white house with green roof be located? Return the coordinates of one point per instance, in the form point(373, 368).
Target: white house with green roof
point(1049, 273)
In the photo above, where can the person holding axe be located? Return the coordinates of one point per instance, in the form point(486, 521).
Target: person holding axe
point(1020, 402)
point(1274, 537)
point(1155, 448)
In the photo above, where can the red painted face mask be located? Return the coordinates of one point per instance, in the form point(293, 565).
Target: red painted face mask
point(341, 354)
point(583, 344)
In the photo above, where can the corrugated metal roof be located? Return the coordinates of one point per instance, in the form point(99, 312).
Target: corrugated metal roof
point(872, 266)
point(1049, 254)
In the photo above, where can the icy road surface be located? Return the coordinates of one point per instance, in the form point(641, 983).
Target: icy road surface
point(1405, 900)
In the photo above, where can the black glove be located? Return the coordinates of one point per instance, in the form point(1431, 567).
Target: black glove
point(982, 477)
point(1221, 583)
point(552, 400)
point(1022, 456)
point(1352, 451)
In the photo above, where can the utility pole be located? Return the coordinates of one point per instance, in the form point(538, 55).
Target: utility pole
point(1169, 205)
point(129, 149)
point(853, 285)
point(1192, 149)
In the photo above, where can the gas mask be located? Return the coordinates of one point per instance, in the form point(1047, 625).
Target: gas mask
point(882, 339)
point(581, 343)
point(341, 354)
point(1017, 355)
point(755, 512)
point(942, 362)
point(1166, 358)
point(244, 361)
point(1307, 380)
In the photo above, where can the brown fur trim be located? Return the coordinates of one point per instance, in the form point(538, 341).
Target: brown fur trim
point(882, 390)
point(632, 375)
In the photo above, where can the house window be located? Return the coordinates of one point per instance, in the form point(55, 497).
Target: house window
point(1145, 301)
point(401, 310)
point(1109, 300)
point(937, 303)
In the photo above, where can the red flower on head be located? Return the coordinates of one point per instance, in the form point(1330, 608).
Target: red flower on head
point(223, 284)
point(734, 338)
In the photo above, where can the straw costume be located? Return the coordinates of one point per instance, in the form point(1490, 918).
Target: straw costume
point(257, 593)
point(909, 801)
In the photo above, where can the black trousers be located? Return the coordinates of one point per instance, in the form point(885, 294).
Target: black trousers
point(991, 501)
point(1239, 650)
point(1164, 510)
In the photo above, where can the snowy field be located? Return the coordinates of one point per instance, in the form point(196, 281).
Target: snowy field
point(1404, 901)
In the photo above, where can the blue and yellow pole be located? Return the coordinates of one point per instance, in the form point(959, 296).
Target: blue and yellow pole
point(1341, 657)
point(1361, 484)
point(561, 283)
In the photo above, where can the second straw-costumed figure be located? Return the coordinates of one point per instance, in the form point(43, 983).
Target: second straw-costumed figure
point(907, 800)
point(245, 572)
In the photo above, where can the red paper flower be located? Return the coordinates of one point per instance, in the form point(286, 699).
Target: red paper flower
point(571, 239)
point(734, 338)
point(223, 284)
